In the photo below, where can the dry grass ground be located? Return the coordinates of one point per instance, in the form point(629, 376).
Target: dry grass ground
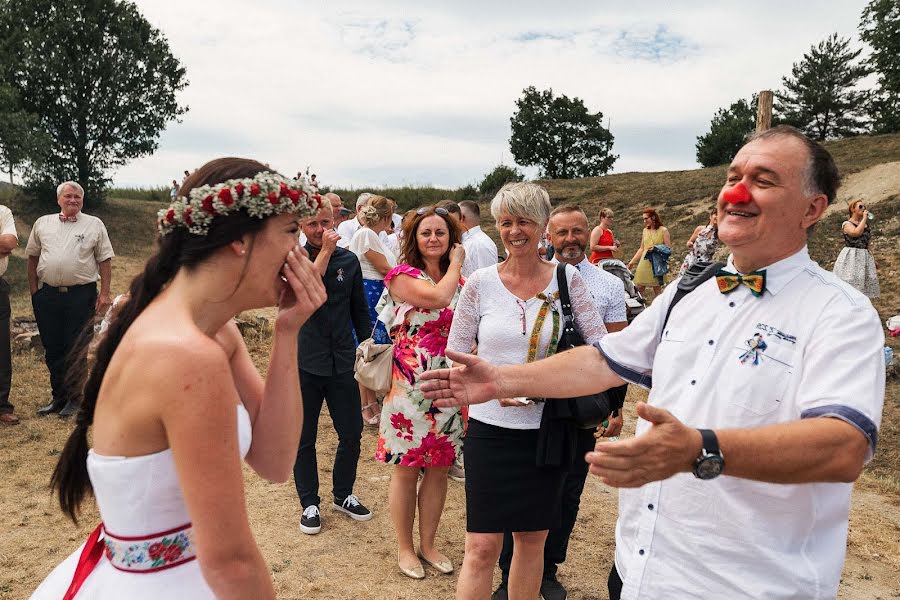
point(357, 560)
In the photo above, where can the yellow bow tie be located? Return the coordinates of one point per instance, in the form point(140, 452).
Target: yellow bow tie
point(728, 282)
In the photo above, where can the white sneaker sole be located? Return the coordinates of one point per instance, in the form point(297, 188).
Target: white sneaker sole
point(310, 530)
point(353, 516)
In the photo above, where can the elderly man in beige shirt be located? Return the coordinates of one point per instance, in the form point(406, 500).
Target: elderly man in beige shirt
point(67, 252)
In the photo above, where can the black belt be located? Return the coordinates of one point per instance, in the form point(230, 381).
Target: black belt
point(64, 289)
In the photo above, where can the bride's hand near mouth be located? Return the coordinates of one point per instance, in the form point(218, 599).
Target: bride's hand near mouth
point(304, 293)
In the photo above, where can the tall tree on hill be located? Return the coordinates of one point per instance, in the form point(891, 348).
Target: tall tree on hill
point(560, 136)
point(727, 132)
point(880, 28)
point(21, 138)
point(101, 79)
point(820, 96)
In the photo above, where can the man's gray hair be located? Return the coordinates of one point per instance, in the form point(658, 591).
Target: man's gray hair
point(72, 184)
point(363, 199)
point(522, 199)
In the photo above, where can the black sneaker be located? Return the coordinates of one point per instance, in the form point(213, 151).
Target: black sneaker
point(500, 593)
point(352, 506)
point(310, 521)
point(551, 589)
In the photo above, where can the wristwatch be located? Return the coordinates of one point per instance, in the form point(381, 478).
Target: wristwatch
point(710, 463)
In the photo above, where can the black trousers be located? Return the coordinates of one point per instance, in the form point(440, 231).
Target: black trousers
point(341, 393)
point(614, 583)
point(557, 543)
point(5, 355)
point(61, 317)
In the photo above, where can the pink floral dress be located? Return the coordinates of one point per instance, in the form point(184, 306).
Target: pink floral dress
point(414, 433)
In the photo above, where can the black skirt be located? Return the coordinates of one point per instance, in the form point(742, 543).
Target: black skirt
point(505, 489)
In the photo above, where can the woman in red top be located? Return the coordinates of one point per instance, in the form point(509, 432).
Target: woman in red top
point(603, 244)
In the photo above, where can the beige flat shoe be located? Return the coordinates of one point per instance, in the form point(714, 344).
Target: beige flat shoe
point(417, 572)
point(444, 566)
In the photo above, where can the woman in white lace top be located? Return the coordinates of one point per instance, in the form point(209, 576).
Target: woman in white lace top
point(512, 313)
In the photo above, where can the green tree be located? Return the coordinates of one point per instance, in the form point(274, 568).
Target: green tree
point(880, 28)
point(728, 131)
point(497, 178)
point(101, 79)
point(820, 96)
point(560, 136)
point(21, 138)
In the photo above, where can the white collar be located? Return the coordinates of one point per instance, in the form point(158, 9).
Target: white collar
point(780, 273)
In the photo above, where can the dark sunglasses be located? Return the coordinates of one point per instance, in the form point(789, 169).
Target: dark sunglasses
point(861, 206)
point(438, 211)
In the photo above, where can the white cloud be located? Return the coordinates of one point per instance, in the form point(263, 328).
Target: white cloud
point(387, 92)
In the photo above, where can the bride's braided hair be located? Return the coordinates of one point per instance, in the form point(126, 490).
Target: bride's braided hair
point(178, 249)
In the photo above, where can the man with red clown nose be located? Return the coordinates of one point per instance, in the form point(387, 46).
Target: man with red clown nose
point(767, 386)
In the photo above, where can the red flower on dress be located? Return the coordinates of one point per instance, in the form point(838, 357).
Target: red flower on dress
point(208, 205)
point(187, 216)
point(434, 451)
point(273, 198)
point(239, 190)
point(254, 189)
point(156, 550)
point(402, 426)
point(225, 197)
point(433, 334)
point(173, 553)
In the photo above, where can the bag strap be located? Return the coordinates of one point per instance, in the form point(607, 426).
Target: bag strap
point(564, 301)
point(696, 274)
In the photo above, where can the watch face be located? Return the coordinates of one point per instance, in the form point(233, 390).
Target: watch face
point(709, 467)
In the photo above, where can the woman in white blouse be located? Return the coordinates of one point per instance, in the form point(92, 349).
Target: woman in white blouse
point(512, 312)
point(376, 260)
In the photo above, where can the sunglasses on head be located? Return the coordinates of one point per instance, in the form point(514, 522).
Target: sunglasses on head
point(438, 211)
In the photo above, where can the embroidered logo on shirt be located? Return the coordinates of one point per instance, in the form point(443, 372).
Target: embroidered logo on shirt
point(80, 238)
point(777, 333)
point(340, 275)
point(755, 346)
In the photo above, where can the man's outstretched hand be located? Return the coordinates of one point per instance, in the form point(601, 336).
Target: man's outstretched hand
point(471, 381)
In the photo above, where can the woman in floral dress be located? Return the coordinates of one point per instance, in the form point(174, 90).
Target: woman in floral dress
point(418, 309)
point(703, 243)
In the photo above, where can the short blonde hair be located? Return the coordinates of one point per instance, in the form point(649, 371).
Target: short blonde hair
point(522, 199)
point(72, 184)
point(852, 206)
point(376, 210)
point(606, 212)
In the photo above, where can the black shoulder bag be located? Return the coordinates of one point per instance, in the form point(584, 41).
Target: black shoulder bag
point(587, 411)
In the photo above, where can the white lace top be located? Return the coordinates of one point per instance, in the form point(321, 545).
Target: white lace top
point(491, 316)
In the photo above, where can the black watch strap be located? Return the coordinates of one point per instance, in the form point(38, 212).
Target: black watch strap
point(710, 441)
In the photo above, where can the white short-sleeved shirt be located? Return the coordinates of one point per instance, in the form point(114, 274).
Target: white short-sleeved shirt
point(7, 227)
point(347, 229)
point(810, 346)
point(364, 240)
point(489, 314)
point(70, 253)
point(481, 251)
point(607, 290)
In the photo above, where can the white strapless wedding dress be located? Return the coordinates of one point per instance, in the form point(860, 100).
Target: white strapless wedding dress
point(139, 498)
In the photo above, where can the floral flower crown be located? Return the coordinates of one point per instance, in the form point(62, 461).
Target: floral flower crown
point(262, 196)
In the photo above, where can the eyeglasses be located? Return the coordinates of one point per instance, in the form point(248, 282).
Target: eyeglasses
point(438, 211)
point(861, 206)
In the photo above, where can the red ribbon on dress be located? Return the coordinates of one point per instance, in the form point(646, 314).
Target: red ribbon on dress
point(90, 556)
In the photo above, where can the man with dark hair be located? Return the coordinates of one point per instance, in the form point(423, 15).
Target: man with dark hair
point(481, 251)
point(771, 373)
point(326, 354)
point(451, 207)
point(67, 252)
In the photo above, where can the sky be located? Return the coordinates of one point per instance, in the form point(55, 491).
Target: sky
point(370, 93)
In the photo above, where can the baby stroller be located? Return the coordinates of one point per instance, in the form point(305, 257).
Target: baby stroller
point(634, 302)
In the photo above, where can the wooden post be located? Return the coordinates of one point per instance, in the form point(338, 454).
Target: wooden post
point(764, 110)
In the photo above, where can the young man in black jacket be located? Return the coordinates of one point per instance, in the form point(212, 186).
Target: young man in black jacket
point(326, 353)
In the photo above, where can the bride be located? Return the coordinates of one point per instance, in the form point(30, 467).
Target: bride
point(175, 400)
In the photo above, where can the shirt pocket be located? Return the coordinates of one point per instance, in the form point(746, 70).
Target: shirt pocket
point(757, 384)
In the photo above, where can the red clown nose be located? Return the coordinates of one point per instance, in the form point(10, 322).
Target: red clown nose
point(736, 195)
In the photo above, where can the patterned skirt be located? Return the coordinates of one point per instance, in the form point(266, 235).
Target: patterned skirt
point(856, 266)
point(374, 289)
